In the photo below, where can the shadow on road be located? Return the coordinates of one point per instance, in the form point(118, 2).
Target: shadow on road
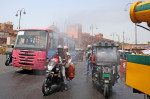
point(32, 72)
point(36, 72)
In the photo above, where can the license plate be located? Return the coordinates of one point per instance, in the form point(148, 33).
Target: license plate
point(27, 68)
point(106, 75)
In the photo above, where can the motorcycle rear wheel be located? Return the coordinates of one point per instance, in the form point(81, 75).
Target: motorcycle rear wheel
point(46, 88)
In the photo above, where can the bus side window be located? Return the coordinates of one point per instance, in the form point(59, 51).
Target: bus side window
point(50, 40)
point(55, 40)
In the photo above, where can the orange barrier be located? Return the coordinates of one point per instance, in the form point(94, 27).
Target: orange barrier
point(123, 66)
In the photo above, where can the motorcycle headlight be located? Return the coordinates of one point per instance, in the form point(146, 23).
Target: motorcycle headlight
point(49, 67)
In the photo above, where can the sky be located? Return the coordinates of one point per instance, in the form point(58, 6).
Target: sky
point(107, 16)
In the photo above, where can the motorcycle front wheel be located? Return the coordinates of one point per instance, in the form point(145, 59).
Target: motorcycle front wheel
point(106, 91)
point(7, 62)
point(46, 88)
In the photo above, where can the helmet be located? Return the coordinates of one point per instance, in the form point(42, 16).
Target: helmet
point(89, 46)
point(65, 47)
point(59, 47)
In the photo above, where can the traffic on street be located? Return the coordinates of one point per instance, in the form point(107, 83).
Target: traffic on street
point(19, 84)
point(75, 49)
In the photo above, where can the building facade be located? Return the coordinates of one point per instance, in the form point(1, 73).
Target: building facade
point(75, 32)
point(137, 47)
point(6, 30)
point(88, 39)
point(84, 39)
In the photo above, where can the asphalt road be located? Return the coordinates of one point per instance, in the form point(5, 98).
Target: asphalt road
point(19, 84)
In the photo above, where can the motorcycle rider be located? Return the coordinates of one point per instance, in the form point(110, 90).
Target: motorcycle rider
point(62, 62)
point(67, 57)
point(67, 54)
point(9, 56)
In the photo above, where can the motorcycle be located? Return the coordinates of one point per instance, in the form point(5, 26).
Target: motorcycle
point(54, 76)
point(8, 59)
point(9, 49)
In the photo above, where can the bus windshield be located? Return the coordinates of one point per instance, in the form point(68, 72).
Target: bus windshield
point(31, 39)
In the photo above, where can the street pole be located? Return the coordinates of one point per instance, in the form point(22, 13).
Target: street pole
point(118, 38)
point(113, 36)
point(20, 11)
point(123, 42)
point(136, 36)
point(19, 20)
point(92, 27)
point(125, 9)
point(92, 32)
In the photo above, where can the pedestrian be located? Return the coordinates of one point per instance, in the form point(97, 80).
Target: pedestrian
point(89, 60)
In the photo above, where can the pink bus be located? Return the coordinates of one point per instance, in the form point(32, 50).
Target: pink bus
point(34, 46)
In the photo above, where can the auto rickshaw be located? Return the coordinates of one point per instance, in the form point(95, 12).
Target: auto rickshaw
point(105, 70)
point(79, 55)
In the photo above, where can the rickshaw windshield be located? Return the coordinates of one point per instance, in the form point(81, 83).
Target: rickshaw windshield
point(106, 55)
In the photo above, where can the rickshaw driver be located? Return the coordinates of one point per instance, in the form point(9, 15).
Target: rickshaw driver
point(94, 66)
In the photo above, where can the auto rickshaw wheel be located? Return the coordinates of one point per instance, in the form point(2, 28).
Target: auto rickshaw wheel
point(106, 91)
